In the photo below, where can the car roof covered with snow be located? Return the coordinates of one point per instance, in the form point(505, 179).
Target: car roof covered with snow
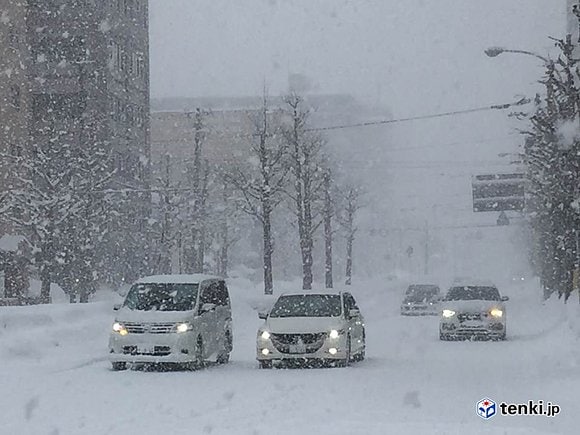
point(313, 293)
point(195, 278)
point(472, 282)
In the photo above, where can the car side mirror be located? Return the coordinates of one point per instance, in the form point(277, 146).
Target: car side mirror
point(206, 308)
point(262, 315)
point(117, 307)
point(353, 313)
point(505, 298)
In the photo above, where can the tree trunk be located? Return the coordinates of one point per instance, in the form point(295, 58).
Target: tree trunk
point(45, 283)
point(84, 293)
point(349, 243)
point(328, 231)
point(200, 257)
point(222, 254)
point(307, 266)
point(308, 243)
point(267, 232)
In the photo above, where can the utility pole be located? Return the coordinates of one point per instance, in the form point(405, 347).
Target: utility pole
point(427, 254)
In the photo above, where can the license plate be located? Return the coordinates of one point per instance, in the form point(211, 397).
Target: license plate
point(471, 324)
point(297, 348)
point(144, 350)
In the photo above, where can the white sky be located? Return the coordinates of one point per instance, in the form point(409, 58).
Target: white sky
point(406, 54)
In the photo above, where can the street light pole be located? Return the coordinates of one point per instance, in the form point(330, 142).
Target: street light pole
point(496, 51)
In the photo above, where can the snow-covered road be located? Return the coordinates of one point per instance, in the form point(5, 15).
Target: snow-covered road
point(55, 378)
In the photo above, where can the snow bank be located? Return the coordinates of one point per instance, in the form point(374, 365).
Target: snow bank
point(56, 379)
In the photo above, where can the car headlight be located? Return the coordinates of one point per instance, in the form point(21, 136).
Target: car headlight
point(120, 329)
point(265, 335)
point(496, 312)
point(335, 333)
point(183, 327)
point(448, 313)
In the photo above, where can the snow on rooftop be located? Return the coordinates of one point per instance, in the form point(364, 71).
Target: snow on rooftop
point(177, 279)
point(11, 242)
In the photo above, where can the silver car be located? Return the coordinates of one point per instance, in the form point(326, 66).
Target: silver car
point(473, 311)
point(312, 327)
point(421, 300)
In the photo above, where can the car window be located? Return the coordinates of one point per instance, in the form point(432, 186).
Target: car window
point(467, 293)
point(210, 294)
point(222, 297)
point(421, 293)
point(307, 306)
point(161, 297)
point(349, 303)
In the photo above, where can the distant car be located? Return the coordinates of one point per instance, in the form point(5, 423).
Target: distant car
point(312, 327)
point(174, 319)
point(473, 310)
point(421, 299)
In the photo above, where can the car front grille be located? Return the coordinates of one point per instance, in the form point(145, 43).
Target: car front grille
point(155, 351)
point(149, 328)
point(469, 316)
point(298, 343)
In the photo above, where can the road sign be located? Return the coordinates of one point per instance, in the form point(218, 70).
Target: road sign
point(498, 192)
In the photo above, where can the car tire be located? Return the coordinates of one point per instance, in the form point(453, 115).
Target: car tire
point(224, 357)
point(362, 354)
point(348, 358)
point(265, 364)
point(119, 366)
point(199, 362)
point(443, 337)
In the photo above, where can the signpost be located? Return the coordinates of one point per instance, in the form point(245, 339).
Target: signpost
point(498, 192)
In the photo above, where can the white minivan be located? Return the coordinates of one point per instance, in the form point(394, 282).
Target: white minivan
point(177, 319)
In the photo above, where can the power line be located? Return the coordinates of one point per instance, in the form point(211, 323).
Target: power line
point(521, 102)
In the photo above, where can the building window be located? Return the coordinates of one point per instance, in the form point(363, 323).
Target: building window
point(15, 97)
point(128, 7)
point(139, 65)
point(15, 151)
point(13, 38)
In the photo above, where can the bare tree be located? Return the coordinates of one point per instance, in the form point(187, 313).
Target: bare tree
point(351, 198)
point(225, 236)
point(327, 216)
point(304, 161)
point(200, 226)
point(198, 173)
point(261, 186)
point(168, 208)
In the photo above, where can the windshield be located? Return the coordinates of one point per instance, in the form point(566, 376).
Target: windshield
point(307, 306)
point(421, 293)
point(473, 293)
point(161, 297)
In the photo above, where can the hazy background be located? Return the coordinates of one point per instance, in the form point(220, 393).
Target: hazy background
point(410, 55)
point(400, 58)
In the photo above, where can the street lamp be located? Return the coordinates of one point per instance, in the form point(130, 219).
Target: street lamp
point(496, 51)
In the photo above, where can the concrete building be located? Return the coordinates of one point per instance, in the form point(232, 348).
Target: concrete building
point(77, 72)
point(230, 124)
point(64, 60)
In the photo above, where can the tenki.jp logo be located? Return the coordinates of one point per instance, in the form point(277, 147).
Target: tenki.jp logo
point(486, 408)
